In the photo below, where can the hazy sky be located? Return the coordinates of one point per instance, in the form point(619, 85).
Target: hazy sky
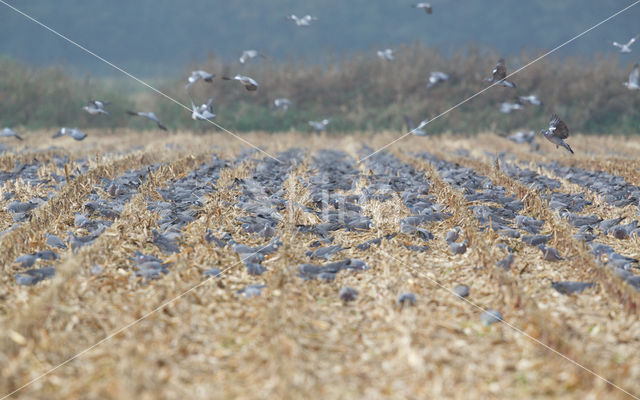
point(151, 37)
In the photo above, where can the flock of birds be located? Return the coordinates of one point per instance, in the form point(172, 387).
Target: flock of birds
point(557, 131)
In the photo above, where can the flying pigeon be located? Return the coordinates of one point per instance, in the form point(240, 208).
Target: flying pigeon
point(196, 76)
point(557, 131)
point(531, 99)
point(436, 77)
point(282, 103)
point(74, 133)
point(150, 116)
point(626, 47)
point(249, 54)
point(249, 83)
point(416, 130)
point(202, 112)
point(499, 74)
point(634, 78)
point(8, 132)
point(425, 6)
point(386, 54)
point(94, 107)
point(506, 107)
point(302, 21)
point(522, 137)
point(320, 126)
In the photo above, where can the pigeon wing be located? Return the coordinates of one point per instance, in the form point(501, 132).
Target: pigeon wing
point(558, 127)
point(500, 71)
point(634, 76)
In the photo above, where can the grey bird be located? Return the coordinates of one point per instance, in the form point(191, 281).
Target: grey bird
point(416, 129)
point(507, 107)
point(461, 291)
point(452, 235)
point(531, 99)
point(436, 77)
point(320, 126)
point(55, 241)
point(550, 253)
point(458, 248)
point(522, 137)
point(196, 76)
point(282, 103)
point(490, 317)
point(8, 132)
point(75, 133)
point(568, 287)
point(94, 107)
point(203, 112)
point(609, 223)
point(150, 116)
point(626, 47)
point(634, 78)
point(347, 294)
point(557, 132)
point(301, 21)
point(249, 83)
point(386, 54)
point(506, 262)
point(499, 75)
point(249, 54)
point(622, 231)
point(425, 6)
point(405, 299)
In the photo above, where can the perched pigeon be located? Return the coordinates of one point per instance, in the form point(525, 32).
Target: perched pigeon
point(249, 83)
point(506, 262)
point(249, 54)
point(407, 299)
point(490, 317)
point(416, 130)
point(347, 294)
point(550, 253)
point(282, 104)
point(461, 291)
point(302, 21)
point(320, 126)
point(458, 248)
point(386, 54)
point(150, 116)
point(75, 133)
point(567, 287)
point(499, 75)
point(436, 77)
point(558, 130)
point(8, 132)
point(196, 76)
point(452, 235)
point(634, 78)
point(425, 6)
point(55, 241)
point(626, 47)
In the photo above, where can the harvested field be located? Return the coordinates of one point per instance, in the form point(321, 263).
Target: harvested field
point(155, 265)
